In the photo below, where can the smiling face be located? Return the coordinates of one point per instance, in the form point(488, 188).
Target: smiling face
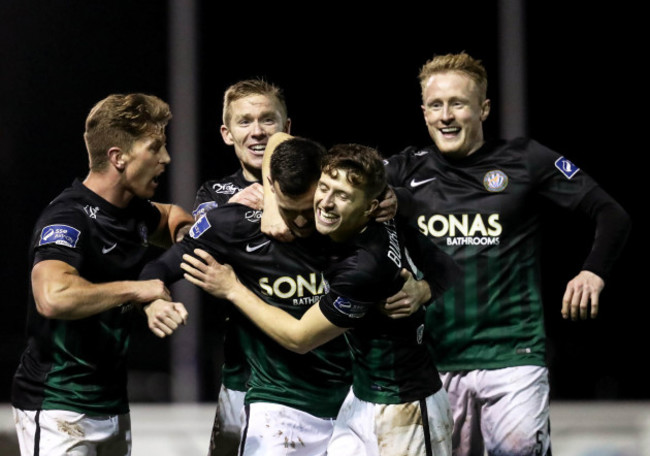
point(454, 111)
point(252, 120)
point(341, 209)
point(142, 166)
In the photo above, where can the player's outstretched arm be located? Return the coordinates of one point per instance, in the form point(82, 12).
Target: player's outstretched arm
point(581, 296)
point(300, 336)
point(60, 292)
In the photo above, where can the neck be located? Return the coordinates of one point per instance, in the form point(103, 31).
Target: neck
point(107, 186)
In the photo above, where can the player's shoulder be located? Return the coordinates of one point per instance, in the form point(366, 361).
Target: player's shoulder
point(378, 249)
point(411, 153)
point(230, 221)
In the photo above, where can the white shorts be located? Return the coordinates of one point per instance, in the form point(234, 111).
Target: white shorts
point(278, 430)
point(228, 423)
point(62, 432)
point(505, 411)
point(367, 429)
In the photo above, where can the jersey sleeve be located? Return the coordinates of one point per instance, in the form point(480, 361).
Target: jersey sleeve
point(61, 236)
point(566, 185)
point(204, 201)
point(351, 294)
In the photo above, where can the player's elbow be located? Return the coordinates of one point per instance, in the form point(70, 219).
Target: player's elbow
point(48, 306)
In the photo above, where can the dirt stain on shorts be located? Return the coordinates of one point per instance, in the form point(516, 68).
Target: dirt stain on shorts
point(72, 429)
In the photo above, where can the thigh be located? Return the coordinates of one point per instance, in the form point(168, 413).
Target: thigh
point(416, 428)
point(273, 430)
point(62, 432)
point(466, 412)
point(516, 411)
point(226, 431)
point(354, 433)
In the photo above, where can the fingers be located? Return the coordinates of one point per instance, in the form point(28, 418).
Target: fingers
point(581, 298)
point(164, 317)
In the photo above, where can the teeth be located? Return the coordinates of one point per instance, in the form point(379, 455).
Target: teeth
point(450, 130)
point(259, 147)
point(325, 215)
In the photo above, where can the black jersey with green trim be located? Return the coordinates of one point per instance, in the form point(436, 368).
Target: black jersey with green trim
point(214, 193)
point(390, 361)
point(80, 365)
point(286, 275)
point(484, 210)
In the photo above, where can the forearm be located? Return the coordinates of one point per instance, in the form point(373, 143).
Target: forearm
point(613, 226)
point(300, 336)
point(174, 224)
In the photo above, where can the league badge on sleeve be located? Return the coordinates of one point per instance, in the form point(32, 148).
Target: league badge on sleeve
point(566, 167)
point(200, 227)
point(59, 235)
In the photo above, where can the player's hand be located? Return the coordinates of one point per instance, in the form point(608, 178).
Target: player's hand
point(272, 223)
point(164, 317)
point(251, 196)
point(408, 300)
point(150, 290)
point(208, 274)
point(581, 296)
point(387, 208)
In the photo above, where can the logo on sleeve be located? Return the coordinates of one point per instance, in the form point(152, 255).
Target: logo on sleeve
point(346, 307)
point(566, 167)
point(200, 227)
point(59, 235)
point(202, 208)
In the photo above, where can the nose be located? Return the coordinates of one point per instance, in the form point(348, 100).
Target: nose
point(447, 113)
point(327, 200)
point(257, 129)
point(164, 156)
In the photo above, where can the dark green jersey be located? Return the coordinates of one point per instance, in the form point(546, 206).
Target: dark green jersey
point(286, 275)
point(484, 210)
point(80, 365)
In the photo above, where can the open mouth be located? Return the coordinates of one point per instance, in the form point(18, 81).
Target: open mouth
point(258, 149)
point(450, 130)
point(327, 218)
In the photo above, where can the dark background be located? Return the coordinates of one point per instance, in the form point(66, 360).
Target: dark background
point(348, 77)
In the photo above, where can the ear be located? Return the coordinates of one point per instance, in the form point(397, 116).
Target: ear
point(485, 109)
point(287, 126)
point(371, 208)
point(268, 178)
point(226, 135)
point(117, 158)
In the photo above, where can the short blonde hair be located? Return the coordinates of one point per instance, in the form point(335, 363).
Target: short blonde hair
point(247, 88)
point(462, 63)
